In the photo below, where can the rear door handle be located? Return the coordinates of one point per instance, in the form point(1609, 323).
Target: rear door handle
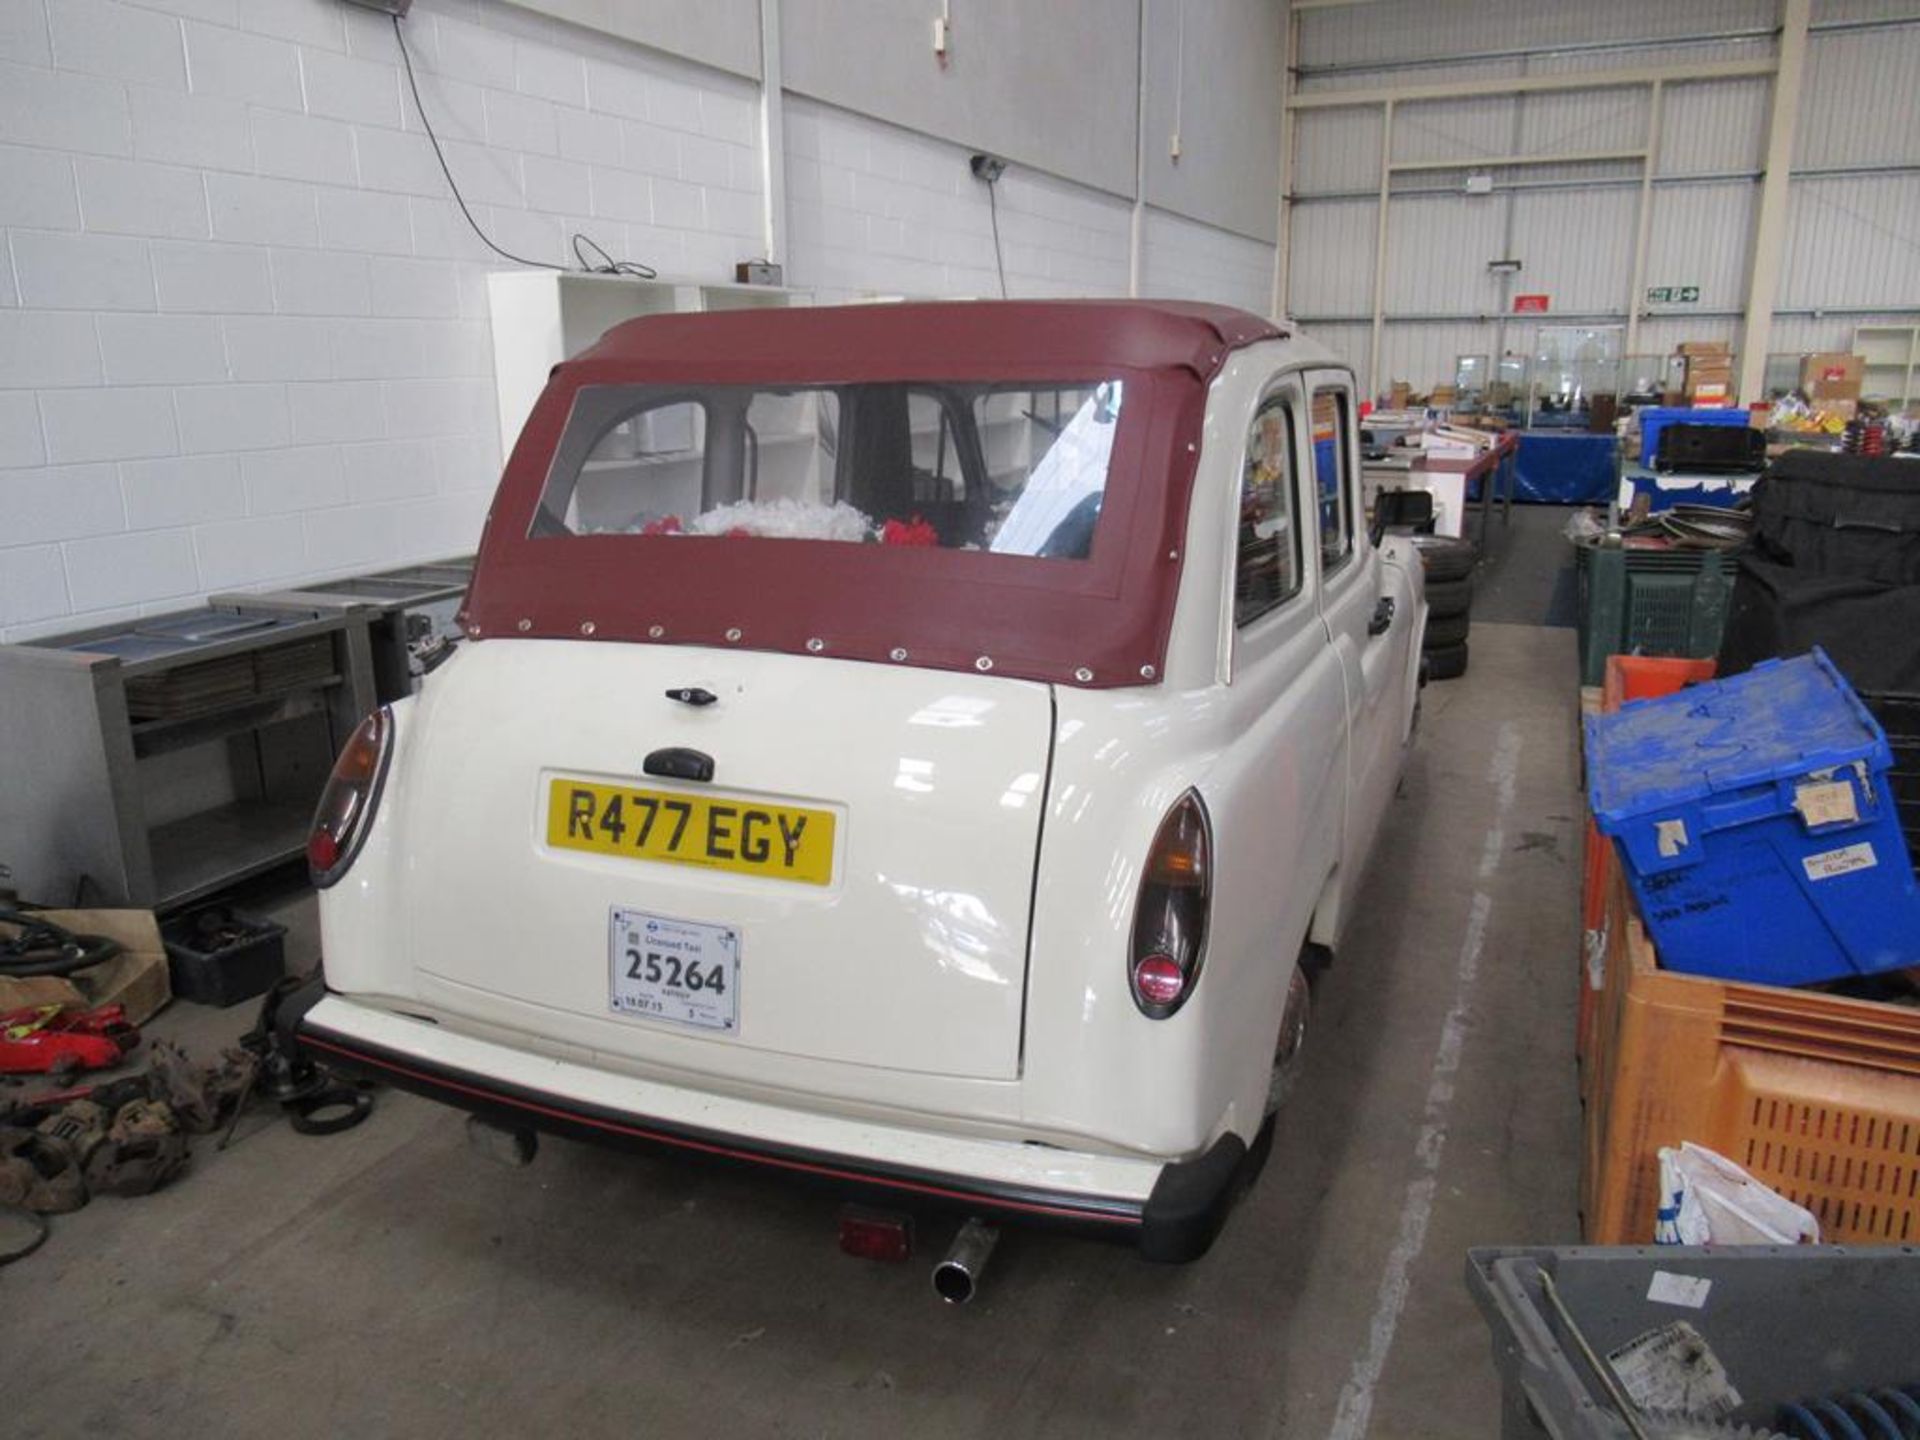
point(679, 763)
point(1382, 620)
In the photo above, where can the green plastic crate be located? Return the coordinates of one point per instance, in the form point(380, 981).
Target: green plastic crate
point(1649, 602)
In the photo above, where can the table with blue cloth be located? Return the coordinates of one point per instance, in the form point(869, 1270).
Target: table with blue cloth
point(1664, 491)
point(1557, 468)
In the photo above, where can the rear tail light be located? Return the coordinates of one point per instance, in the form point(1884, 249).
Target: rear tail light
point(345, 813)
point(1170, 919)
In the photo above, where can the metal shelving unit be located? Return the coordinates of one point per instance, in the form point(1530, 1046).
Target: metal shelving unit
point(160, 761)
point(404, 610)
point(1892, 356)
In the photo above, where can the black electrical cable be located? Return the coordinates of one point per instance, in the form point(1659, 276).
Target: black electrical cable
point(44, 948)
point(36, 1225)
point(610, 266)
point(993, 211)
point(328, 1111)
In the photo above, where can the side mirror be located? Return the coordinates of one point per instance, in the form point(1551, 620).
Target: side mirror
point(1411, 509)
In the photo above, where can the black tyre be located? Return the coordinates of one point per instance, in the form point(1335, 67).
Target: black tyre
point(1447, 663)
point(1446, 559)
point(1449, 597)
point(1446, 631)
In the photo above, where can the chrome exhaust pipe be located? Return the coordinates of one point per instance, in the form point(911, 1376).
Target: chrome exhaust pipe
point(957, 1276)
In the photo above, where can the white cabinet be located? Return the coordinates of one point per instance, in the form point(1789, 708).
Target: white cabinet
point(541, 317)
point(1892, 356)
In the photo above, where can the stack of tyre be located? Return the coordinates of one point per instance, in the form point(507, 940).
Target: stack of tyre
point(1449, 565)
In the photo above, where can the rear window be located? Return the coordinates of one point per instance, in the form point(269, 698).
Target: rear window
point(995, 468)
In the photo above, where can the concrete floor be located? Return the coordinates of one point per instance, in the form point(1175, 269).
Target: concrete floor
point(391, 1282)
point(1526, 576)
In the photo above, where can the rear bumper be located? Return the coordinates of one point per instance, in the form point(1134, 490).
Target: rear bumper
point(1171, 1212)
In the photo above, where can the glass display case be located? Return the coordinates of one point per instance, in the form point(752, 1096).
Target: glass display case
point(1649, 379)
point(1470, 380)
point(1781, 375)
point(1571, 365)
point(1509, 384)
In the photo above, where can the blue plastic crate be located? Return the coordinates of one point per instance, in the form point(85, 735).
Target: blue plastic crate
point(1655, 418)
point(1755, 822)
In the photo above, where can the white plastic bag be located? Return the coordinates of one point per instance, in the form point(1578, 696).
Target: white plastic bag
point(1706, 1199)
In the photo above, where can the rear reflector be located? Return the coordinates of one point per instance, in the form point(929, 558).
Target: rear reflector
point(1159, 980)
point(323, 851)
point(869, 1234)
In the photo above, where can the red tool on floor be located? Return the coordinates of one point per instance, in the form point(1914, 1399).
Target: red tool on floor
point(49, 1039)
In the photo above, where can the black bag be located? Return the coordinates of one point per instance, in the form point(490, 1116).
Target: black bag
point(1722, 449)
point(1856, 516)
point(1871, 631)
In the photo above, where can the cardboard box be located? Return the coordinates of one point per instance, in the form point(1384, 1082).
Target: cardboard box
point(135, 978)
point(1398, 396)
point(1444, 396)
point(1829, 375)
point(1705, 349)
point(1708, 375)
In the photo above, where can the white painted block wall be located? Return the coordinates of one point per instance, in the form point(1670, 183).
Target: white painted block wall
point(876, 209)
point(243, 332)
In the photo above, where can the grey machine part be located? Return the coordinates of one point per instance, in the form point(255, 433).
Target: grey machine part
point(1787, 1323)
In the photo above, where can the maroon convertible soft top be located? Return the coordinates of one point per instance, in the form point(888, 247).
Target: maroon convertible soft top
point(1040, 619)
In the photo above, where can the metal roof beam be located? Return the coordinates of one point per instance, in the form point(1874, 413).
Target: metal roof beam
point(1762, 35)
point(1530, 84)
point(1509, 162)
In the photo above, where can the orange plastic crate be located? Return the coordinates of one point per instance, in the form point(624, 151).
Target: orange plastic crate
point(1816, 1095)
point(1645, 677)
point(1628, 677)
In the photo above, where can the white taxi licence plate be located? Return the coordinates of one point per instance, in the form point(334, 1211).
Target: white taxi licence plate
point(677, 970)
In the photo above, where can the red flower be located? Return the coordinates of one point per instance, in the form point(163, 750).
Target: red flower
point(909, 532)
point(666, 525)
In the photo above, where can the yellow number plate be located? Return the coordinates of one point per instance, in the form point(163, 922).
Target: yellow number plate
point(781, 841)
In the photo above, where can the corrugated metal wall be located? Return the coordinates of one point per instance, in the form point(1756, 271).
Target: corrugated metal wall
point(1853, 243)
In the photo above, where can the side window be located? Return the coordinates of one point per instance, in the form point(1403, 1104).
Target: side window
point(648, 462)
point(1268, 572)
point(1332, 424)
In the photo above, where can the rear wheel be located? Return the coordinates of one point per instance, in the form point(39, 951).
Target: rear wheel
point(1291, 1040)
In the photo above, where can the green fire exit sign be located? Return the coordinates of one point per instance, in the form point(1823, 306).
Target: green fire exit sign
point(1673, 295)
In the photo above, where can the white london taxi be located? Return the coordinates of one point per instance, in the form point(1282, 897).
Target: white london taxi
point(912, 746)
